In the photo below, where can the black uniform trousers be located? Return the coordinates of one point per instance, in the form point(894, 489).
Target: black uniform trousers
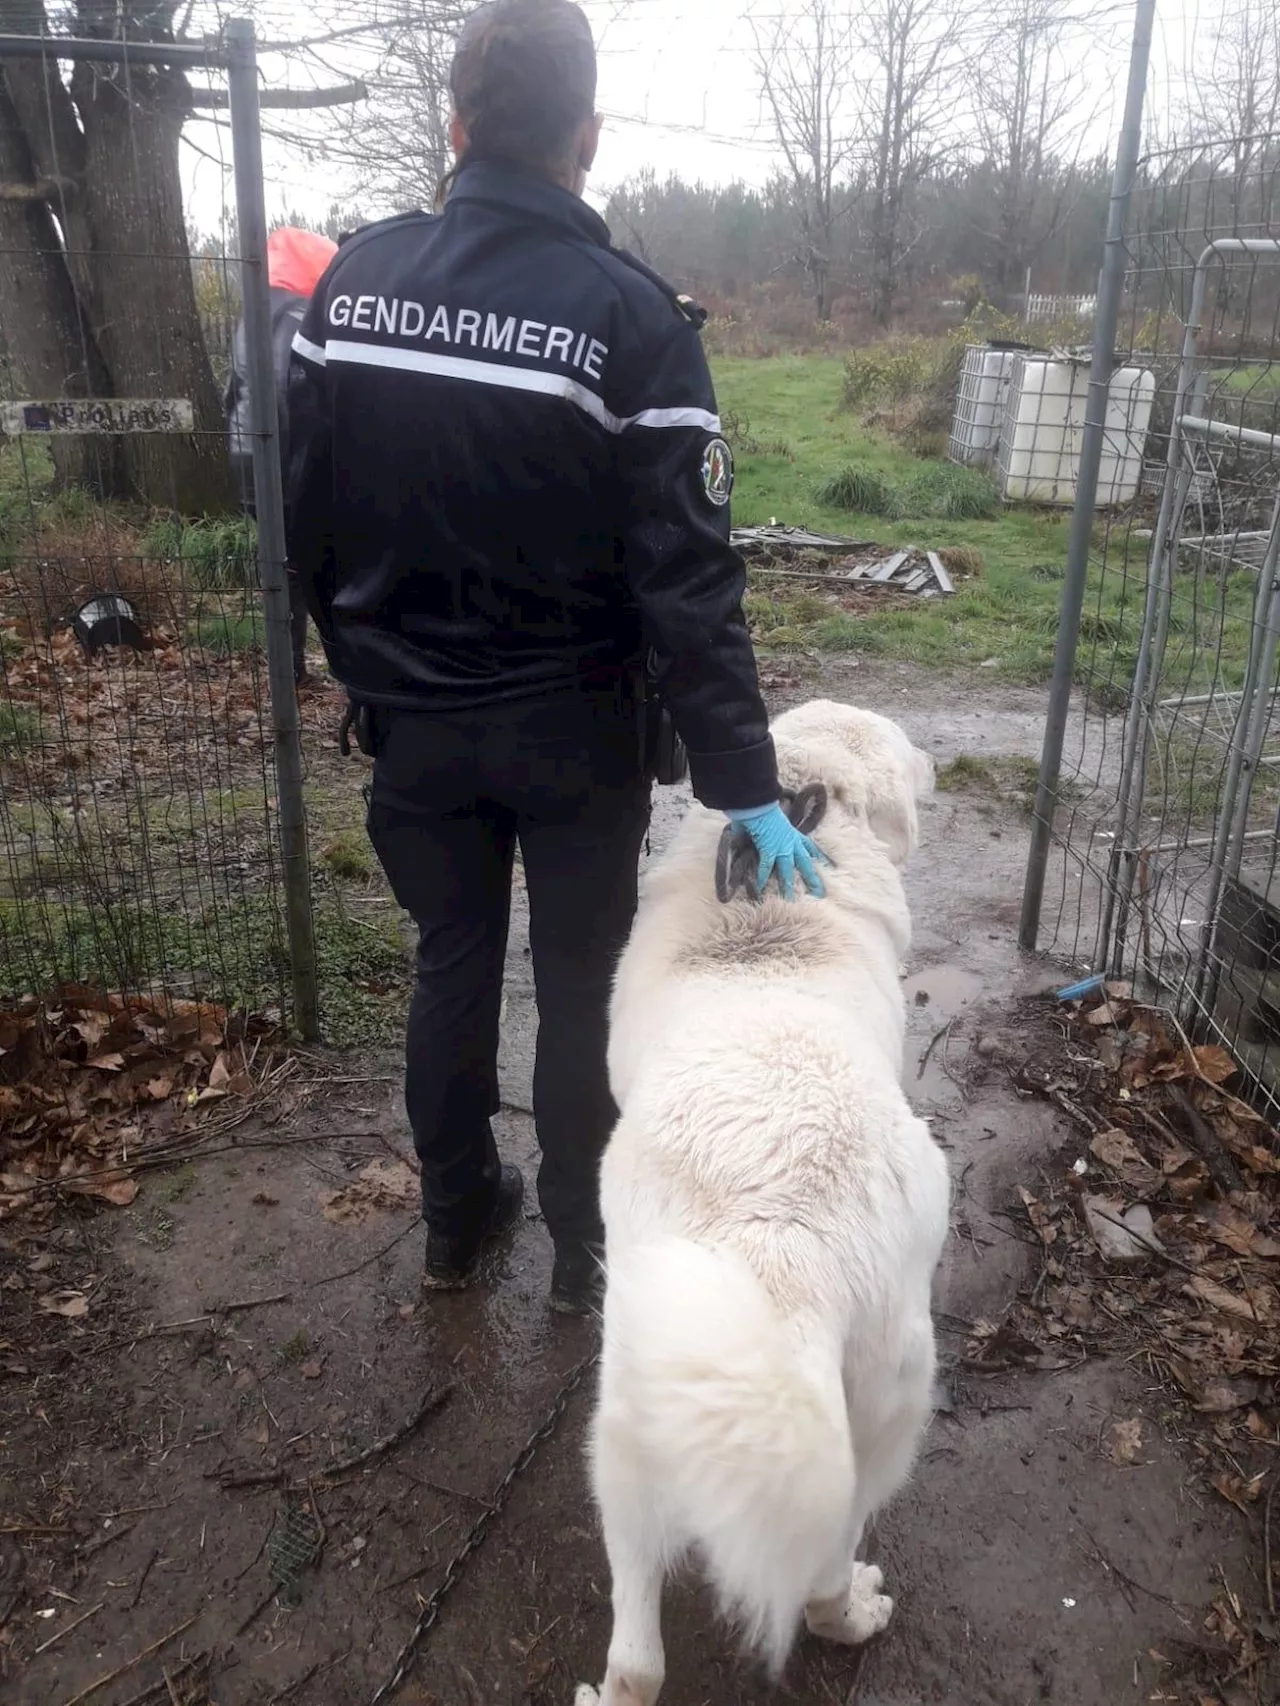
point(452, 795)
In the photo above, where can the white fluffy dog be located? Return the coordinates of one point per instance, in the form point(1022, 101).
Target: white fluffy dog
point(774, 1213)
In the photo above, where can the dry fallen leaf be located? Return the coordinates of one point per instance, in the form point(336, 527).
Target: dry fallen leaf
point(71, 1305)
point(1126, 1440)
point(1237, 1491)
point(380, 1185)
point(108, 1063)
point(1038, 1216)
point(1215, 1064)
point(1220, 1397)
point(1256, 1307)
point(1117, 1149)
point(118, 1192)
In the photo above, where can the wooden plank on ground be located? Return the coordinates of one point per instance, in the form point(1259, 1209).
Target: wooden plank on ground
point(939, 572)
point(890, 567)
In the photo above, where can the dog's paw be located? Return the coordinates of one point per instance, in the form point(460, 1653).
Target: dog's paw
point(585, 1695)
point(866, 1611)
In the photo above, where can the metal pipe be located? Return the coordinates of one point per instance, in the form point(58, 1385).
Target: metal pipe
point(1110, 288)
point(251, 218)
point(1225, 430)
point(114, 52)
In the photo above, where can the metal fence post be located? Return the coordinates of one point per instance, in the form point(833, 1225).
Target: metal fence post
point(1110, 288)
point(251, 219)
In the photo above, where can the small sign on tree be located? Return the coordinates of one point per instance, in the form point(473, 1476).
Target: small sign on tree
point(98, 414)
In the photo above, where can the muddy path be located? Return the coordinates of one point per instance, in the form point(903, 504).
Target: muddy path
point(165, 1472)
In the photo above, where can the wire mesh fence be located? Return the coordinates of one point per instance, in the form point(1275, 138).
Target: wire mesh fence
point(138, 788)
point(1163, 870)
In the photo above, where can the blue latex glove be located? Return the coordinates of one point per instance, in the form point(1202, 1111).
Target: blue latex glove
point(781, 847)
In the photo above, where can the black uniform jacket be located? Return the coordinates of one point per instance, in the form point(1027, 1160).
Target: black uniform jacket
point(507, 474)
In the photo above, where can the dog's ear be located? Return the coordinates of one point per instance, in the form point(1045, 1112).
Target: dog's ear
point(737, 865)
point(807, 809)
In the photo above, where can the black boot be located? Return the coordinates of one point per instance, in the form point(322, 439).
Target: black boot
point(451, 1260)
point(577, 1280)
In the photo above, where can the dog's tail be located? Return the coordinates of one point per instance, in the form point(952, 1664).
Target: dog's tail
point(746, 1433)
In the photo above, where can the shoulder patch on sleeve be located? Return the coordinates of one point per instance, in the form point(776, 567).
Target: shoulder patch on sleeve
point(717, 472)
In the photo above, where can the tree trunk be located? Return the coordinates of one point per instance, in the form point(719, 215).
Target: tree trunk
point(105, 151)
point(884, 262)
point(47, 348)
point(150, 326)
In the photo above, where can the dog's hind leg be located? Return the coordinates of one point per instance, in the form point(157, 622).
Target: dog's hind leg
point(634, 1543)
point(848, 1606)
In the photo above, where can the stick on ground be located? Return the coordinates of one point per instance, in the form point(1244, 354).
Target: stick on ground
point(131, 1664)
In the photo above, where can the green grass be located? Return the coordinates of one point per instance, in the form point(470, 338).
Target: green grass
point(19, 726)
point(217, 555)
point(235, 955)
point(348, 856)
point(1006, 619)
point(26, 479)
point(1010, 777)
point(936, 490)
point(179, 1183)
point(297, 1348)
point(223, 633)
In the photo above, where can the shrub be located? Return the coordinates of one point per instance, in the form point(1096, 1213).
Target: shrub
point(888, 372)
point(950, 494)
point(964, 562)
point(938, 491)
point(858, 489)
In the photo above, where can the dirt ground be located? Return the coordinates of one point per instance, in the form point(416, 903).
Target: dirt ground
point(1027, 1564)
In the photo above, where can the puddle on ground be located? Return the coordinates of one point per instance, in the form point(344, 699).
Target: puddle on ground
point(940, 993)
point(934, 998)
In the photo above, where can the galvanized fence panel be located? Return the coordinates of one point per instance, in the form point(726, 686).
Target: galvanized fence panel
point(140, 761)
point(1161, 868)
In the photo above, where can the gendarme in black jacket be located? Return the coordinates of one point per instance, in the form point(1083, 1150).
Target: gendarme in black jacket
point(507, 473)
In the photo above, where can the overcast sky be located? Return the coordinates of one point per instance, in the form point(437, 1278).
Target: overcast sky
point(678, 88)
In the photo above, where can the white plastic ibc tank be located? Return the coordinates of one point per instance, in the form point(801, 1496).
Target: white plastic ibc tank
point(1124, 436)
point(1033, 461)
point(1038, 459)
point(980, 402)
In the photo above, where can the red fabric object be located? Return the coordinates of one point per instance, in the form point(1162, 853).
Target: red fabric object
point(296, 259)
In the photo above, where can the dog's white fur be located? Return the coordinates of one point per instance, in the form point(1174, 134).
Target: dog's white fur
point(774, 1213)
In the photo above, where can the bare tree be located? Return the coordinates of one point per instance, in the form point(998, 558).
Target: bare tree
point(912, 45)
point(805, 63)
point(393, 147)
point(1235, 95)
point(1026, 96)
